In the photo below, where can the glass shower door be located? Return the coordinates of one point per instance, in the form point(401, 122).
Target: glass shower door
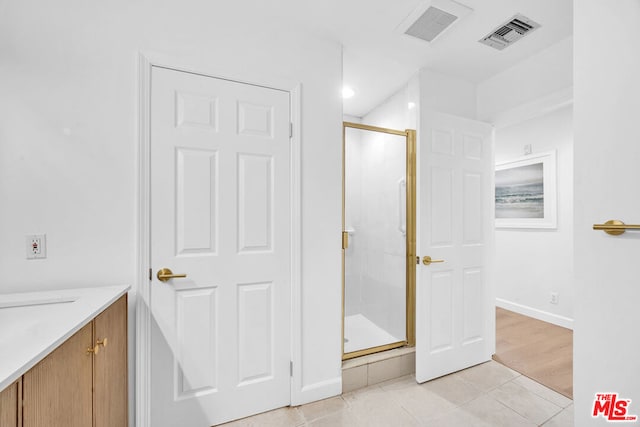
point(375, 239)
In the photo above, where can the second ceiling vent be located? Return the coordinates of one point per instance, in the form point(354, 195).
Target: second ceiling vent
point(509, 32)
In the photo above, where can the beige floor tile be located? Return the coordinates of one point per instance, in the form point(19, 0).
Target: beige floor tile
point(342, 418)
point(563, 419)
point(494, 413)
point(283, 417)
point(524, 402)
point(453, 388)
point(487, 395)
point(421, 403)
point(488, 375)
point(374, 406)
point(398, 383)
point(381, 411)
point(354, 378)
point(542, 391)
point(322, 408)
point(370, 394)
point(456, 418)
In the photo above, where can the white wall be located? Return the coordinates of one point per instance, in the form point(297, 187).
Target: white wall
point(69, 143)
point(546, 75)
point(607, 155)
point(393, 113)
point(530, 264)
point(530, 103)
point(446, 94)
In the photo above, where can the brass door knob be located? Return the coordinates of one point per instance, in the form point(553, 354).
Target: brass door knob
point(428, 261)
point(165, 274)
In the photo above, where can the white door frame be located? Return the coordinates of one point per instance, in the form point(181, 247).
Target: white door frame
point(146, 61)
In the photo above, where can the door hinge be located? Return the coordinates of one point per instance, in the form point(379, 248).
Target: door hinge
point(290, 129)
point(291, 368)
point(150, 275)
point(345, 239)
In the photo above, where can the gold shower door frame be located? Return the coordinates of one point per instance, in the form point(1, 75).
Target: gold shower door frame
point(410, 136)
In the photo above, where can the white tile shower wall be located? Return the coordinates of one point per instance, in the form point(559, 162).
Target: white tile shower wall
point(353, 201)
point(374, 261)
point(384, 285)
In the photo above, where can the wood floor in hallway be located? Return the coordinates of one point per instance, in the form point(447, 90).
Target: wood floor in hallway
point(536, 349)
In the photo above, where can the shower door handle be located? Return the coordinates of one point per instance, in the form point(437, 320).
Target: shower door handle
point(428, 261)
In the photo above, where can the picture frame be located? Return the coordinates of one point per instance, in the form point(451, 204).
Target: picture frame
point(526, 192)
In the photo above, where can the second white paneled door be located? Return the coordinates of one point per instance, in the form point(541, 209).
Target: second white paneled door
point(455, 309)
point(221, 215)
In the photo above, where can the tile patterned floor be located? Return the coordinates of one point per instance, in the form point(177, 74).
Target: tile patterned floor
point(489, 394)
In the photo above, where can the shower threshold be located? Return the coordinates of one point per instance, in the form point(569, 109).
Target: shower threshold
point(378, 367)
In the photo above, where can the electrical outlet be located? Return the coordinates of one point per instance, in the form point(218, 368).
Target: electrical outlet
point(36, 246)
point(554, 297)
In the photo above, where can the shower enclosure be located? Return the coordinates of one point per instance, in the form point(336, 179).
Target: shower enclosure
point(378, 239)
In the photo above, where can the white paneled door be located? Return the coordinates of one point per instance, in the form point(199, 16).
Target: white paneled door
point(220, 214)
point(455, 314)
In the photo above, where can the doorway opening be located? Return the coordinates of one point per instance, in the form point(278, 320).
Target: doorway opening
point(378, 239)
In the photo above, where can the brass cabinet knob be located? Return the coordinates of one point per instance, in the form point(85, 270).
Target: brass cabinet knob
point(102, 342)
point(428, 261)
point(93, 350)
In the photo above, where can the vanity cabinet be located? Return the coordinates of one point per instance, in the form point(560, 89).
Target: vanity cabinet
point(57, 391)
point(84, 381)
point(9, 409)
point(110, 378)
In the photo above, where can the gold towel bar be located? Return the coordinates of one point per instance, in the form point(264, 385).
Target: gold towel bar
point(615, 227)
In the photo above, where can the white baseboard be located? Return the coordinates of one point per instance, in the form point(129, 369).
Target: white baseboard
point(317, 391)
point(545, 316)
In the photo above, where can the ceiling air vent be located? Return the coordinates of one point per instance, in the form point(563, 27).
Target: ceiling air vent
point(431, 18)
point(509, 32)
point(431, 24)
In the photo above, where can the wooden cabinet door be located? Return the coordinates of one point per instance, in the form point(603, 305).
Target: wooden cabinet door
point(9, 412)
point(110, 366)
point(57, 391)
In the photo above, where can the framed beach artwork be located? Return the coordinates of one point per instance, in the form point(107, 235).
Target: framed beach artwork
point(526, 192)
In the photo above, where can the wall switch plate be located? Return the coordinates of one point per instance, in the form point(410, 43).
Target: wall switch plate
point(554, 297)
point(36, 246)
point(527, 149)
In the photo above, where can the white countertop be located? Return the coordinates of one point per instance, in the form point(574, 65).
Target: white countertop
point(33, 324)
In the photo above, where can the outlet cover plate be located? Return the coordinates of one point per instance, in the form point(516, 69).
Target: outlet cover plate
point(36, 246)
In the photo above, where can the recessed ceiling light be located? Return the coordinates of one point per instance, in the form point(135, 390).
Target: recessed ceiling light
point(411, 105)
point(347, 92)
